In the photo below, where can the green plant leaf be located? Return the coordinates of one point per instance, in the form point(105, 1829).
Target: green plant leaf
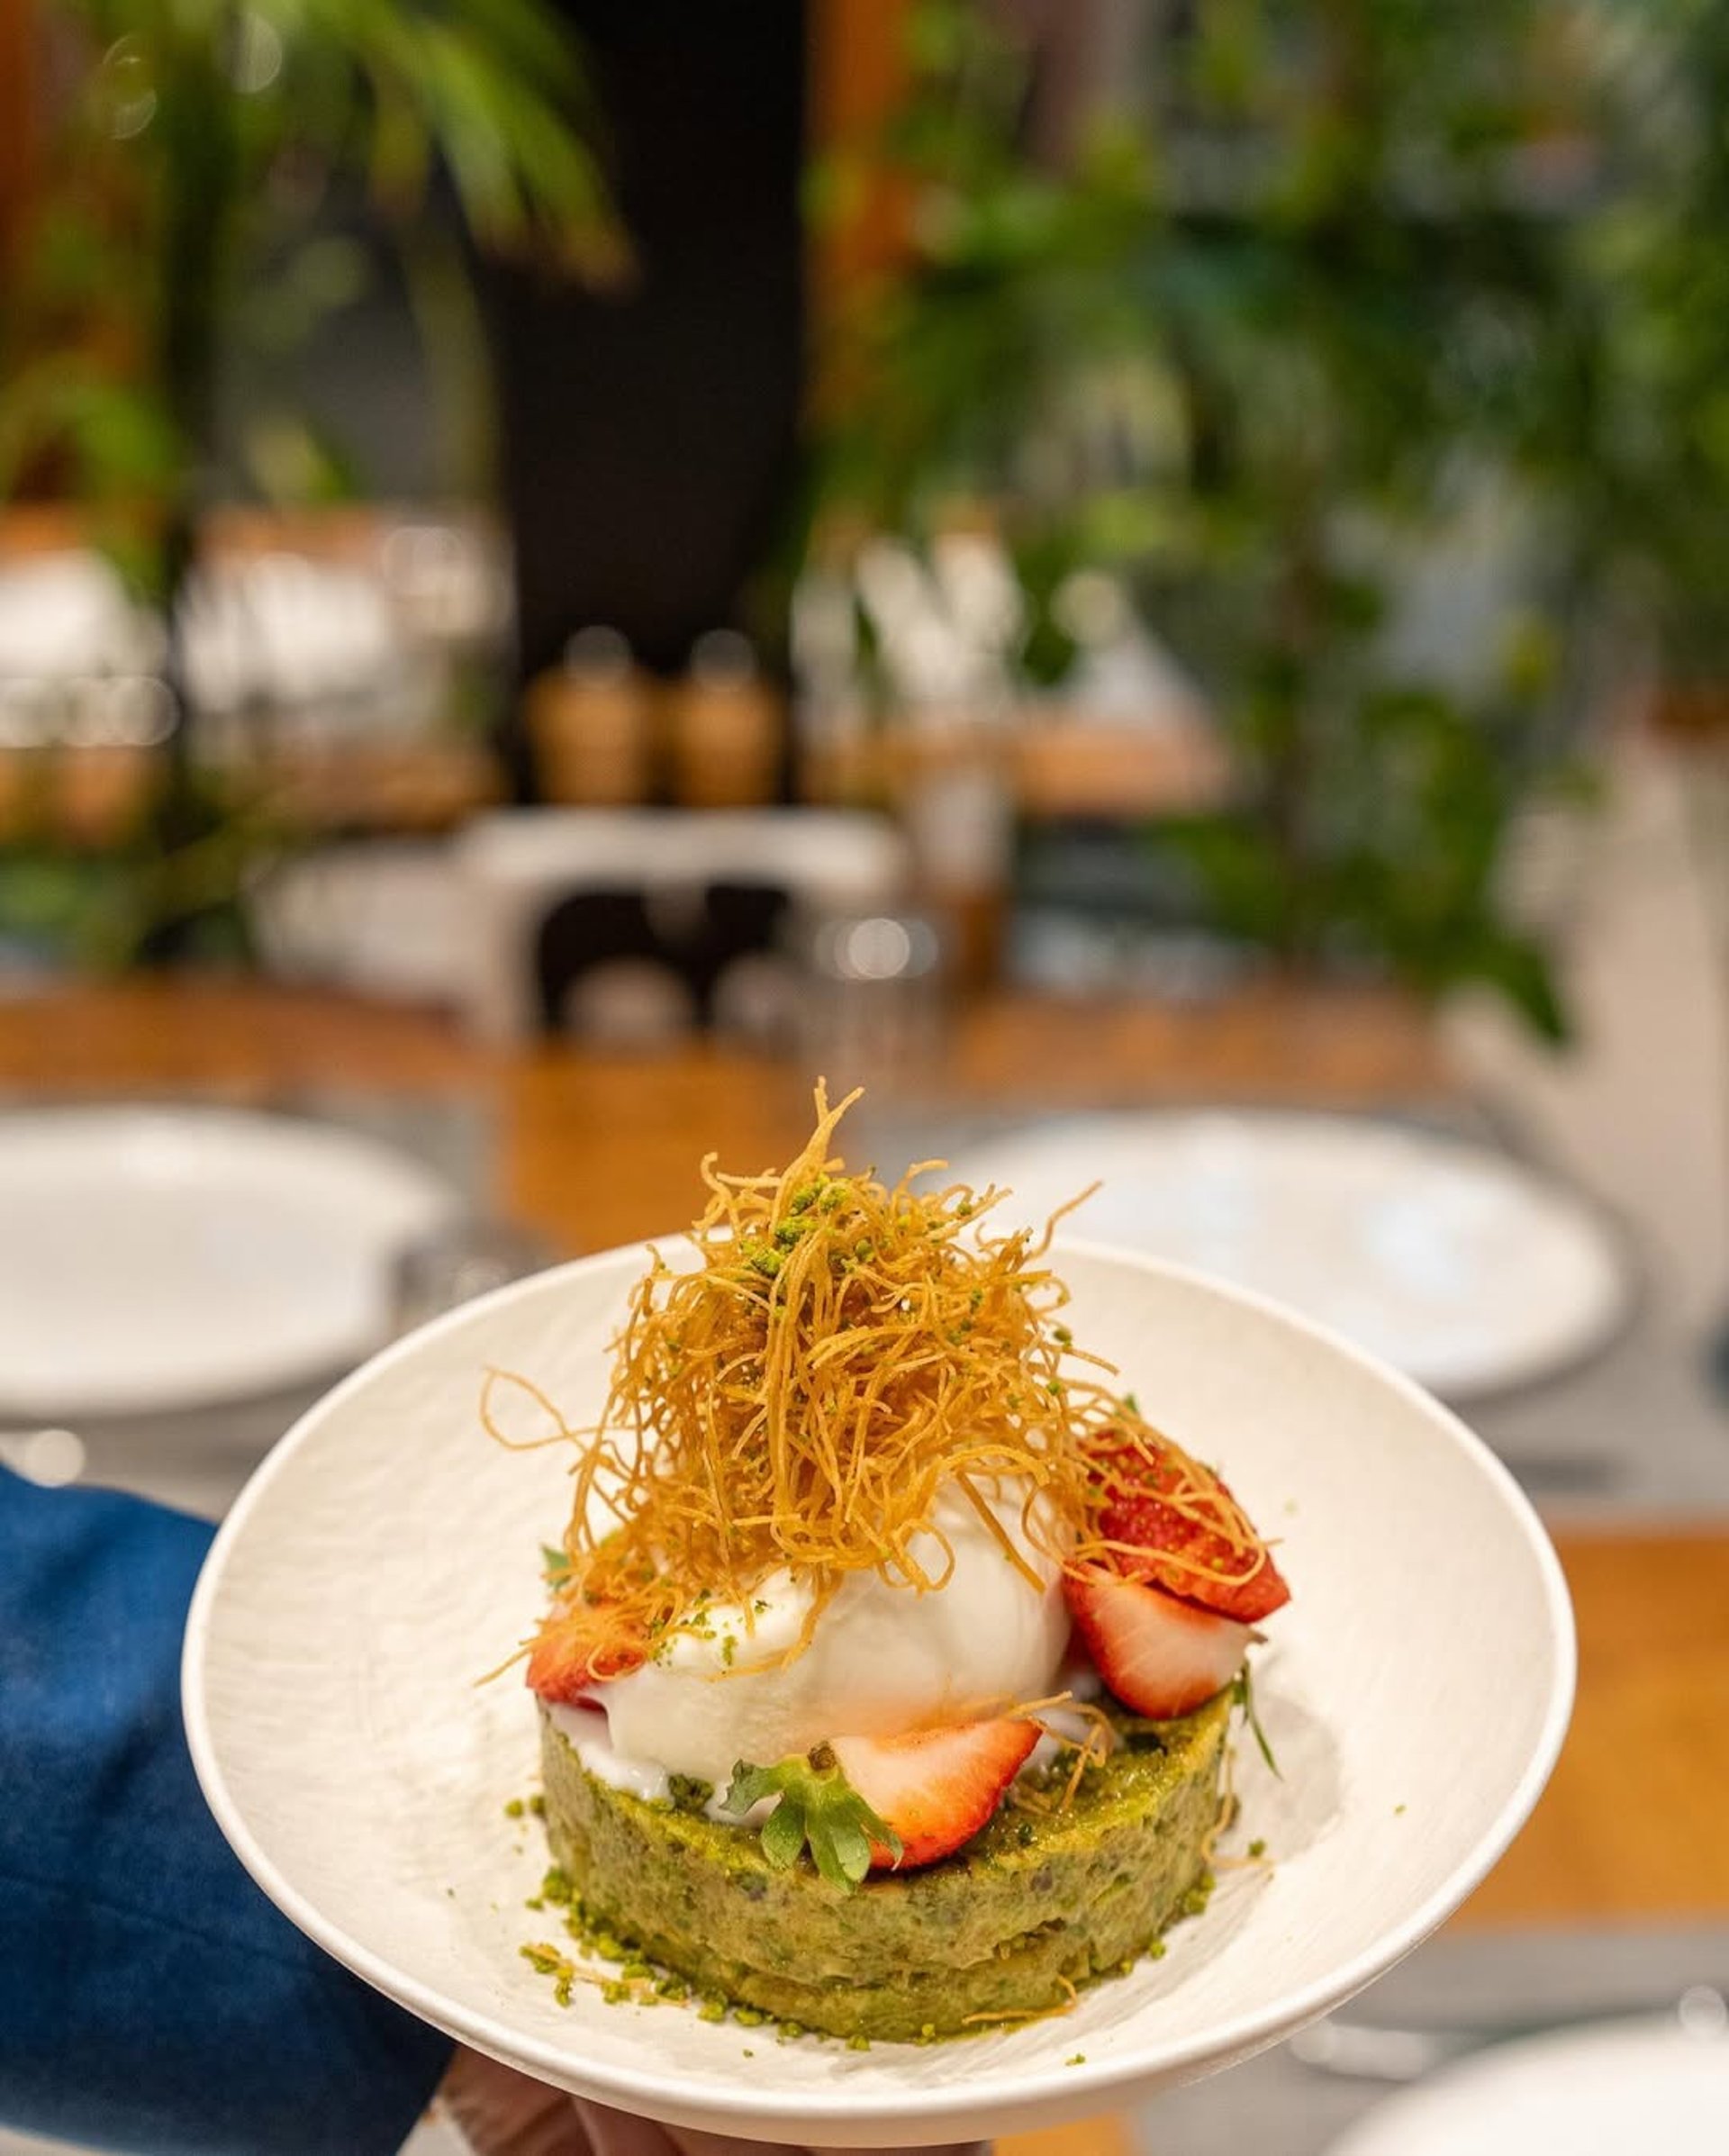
point(784, 1834)
point(817, 1808)
point(1243, 1699)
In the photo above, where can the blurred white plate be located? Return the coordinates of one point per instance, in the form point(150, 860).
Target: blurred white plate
point(171, 1257)
point(384, 1557)
point(1457, 1264)
point(1601, 2091)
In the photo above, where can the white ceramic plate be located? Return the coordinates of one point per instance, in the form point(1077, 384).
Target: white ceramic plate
point(1456, 1264)
point(385, 1556)
point(1598, 2091)
point(171, 1257)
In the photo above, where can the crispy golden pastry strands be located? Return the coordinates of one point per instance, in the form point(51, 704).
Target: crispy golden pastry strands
point(839, 1353)
point(1006, 2016)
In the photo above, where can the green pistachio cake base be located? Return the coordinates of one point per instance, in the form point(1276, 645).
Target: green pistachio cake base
point(1035, 1902)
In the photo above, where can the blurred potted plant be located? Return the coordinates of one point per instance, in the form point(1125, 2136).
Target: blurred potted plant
point(192, 148)
point(1660, 462)
point(1262, 345)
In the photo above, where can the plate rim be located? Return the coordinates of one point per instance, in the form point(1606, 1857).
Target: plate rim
point(379, 1157)
point(751, 2105)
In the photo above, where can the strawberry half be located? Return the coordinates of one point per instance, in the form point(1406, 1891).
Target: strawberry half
point(1138, 1512)
point(936, 1788)
point(581, 1645)
point(1159, 1654)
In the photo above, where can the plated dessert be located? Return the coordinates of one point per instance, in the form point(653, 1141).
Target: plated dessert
point(384, 1552)
point(892, 1653)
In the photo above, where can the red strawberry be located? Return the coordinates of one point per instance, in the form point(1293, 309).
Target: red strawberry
point(1159, 1654)
point(1138, 1512)
point(582, 1645)
point(936, 1788)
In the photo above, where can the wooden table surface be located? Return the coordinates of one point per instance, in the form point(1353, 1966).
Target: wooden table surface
point(598, 1150)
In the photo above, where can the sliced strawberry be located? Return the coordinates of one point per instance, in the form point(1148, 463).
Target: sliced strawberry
point(1160, 1655)
point(582, 1645)
point(936, 1788)
point(1218, 1575)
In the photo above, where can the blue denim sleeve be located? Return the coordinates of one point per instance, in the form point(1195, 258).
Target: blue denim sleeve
point(151, 1998)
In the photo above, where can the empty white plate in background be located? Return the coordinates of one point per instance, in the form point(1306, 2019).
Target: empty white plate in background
point(1597, 2091)
point(1459, 1265)
point(173, 1257)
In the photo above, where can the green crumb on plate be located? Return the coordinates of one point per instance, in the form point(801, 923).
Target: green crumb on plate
point(1257, 1848)
point(547, 1960)
point(515, 1809)
point(1080, 2059)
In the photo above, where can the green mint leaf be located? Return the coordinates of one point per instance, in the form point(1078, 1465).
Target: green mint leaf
point(555, 1563)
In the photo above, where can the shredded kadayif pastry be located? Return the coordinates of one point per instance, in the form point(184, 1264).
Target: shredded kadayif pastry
point(842, 1352)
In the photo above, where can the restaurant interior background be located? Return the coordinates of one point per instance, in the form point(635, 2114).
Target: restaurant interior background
point(1147, 580)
